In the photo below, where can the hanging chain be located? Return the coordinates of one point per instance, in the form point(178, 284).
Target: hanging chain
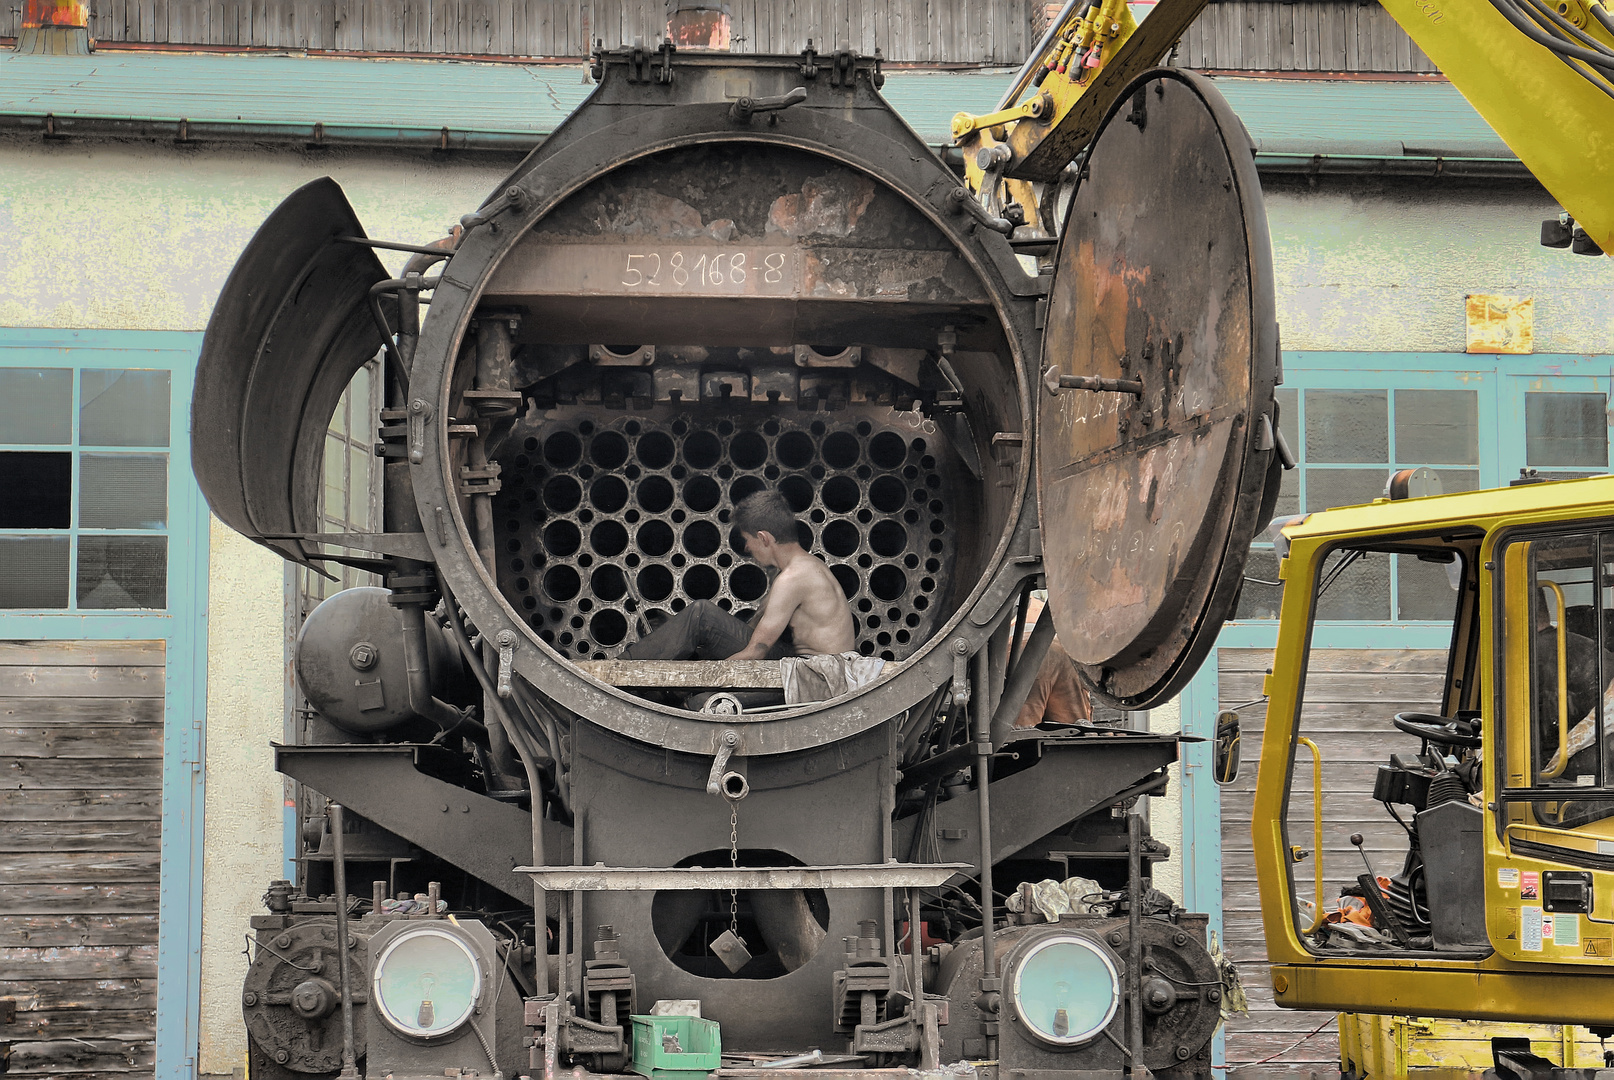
point(734, 864)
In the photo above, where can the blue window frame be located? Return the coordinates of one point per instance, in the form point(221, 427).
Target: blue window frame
point(117, 529)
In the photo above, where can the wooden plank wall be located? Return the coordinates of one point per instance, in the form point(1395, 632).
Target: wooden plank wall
point(1231, 35)
point(80, 824)
point(1335, 35)
point(934, 31)
point(1350, 696)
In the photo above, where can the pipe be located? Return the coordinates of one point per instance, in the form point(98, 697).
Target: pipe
point(418, 666)
point(350, 1068)
point(1022, 78)
point(1017, 637)
point(540, 907)
point(991, 988)
point(1022, 679)
point(1134, 926)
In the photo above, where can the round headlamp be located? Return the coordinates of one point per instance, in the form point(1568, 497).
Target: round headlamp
point(1066, 989)
point(427, 982)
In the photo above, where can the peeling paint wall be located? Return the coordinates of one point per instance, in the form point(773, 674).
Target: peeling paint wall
point(141, 237)
point(1385, 267)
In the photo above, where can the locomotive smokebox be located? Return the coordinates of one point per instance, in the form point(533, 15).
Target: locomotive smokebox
point(724, 275)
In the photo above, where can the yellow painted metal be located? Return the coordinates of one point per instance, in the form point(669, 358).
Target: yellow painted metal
point(1558, 984)
point(965, 123)
point(1430, 1048)
point(1560, 125)
point(1317, 827)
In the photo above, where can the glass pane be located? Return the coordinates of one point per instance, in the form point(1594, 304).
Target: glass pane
point(1426, 590)
point(1564, 596)
point(122, 572)
point(1327, 488)
point(1566, 429)
point(1259, 600)
point(359, 403)
point(335, 477)
point(123, 408)
point(36, 490)
point(123, 491)
point(33, 572)
point(36, 405)
point(1347, 425)
point(359, 494)
point(1437, 427)
point(1360, 591)
point(1455, 480)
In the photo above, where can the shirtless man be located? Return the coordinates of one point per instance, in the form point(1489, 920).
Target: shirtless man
point(804, 598)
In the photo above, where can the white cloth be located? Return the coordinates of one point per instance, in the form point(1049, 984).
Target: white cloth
point(820, 678)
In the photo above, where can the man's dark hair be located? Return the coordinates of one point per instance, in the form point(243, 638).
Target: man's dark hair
point(766, 512)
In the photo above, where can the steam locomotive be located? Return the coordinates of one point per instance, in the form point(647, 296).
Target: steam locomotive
point(723, 274)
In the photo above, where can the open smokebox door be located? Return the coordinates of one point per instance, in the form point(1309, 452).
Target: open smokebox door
point(1157, 454)
point(291, 327)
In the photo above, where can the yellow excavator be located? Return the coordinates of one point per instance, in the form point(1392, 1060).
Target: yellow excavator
point(1503, 907)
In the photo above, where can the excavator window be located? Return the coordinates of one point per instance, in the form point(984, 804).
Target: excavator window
point(1557, 603)
point(1396, 781)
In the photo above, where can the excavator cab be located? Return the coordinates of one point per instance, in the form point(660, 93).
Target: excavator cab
point(1480, 797)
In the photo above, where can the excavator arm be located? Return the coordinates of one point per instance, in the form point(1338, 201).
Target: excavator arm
point(1541, 73)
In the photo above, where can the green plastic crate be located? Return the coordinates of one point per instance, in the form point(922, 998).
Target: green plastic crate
point(699, 1039)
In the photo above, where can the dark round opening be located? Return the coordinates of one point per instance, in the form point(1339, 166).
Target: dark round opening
point(701, 583)
point(608, 583)
point(748, 450)
point(702, 450)
point(561, 538)
point(794, 449)
point(655, 538)
point(609, 494)
point(888, 538)
point(563, 449)
point(841, 450)
point(655, 583)
point(608, 627)
point(562, 494)
point(654, 494)
point(887, 494)
point(561, 583)
point(848, 579)
point(841, 538)
point(748, 582)
point(745, 485)
point(887, 450)
point(804, 535)
point(608, 539)
point(888, 582)
point(609, 450)
point(782, 929)
point(701, 539)
point(798, 492)
point(702, 494)
point(655, 450)
point(840, 494)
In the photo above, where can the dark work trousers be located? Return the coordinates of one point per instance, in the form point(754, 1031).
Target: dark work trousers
point(702, 631)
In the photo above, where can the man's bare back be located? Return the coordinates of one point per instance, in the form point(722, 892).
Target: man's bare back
point(821, 623)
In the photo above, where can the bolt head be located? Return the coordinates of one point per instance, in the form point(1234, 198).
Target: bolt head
point(1115, 937)
point(1183, 1053)
point(506, 638)
point(1213, 995)
point(282, 1056)
point(363, 656)
point(1179, 939)
point(249, 998)
point(283, 941)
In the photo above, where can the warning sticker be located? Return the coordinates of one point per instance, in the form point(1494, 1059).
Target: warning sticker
point(1530, 929)
point(1566, 931)
point(1530, 885)
point(1547, 927)
point(1507, 877)
point(1598, 946)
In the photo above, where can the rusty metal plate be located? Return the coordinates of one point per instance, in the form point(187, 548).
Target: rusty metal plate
point(291, 327)
point(1164, 279)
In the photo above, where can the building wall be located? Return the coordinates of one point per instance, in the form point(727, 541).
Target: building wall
point(139, 237)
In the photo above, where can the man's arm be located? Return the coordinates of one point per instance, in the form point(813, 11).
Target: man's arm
point(783, 600)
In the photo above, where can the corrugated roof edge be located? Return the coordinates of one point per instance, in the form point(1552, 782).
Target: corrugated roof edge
point(1299, 126)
